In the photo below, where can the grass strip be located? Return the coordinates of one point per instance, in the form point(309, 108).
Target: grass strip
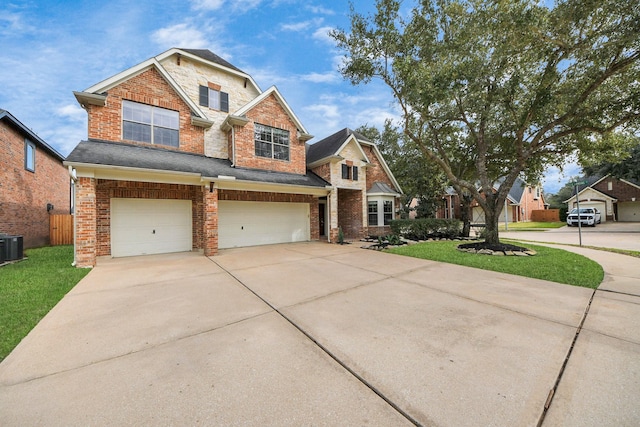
point(30, 288)
point(552, 264)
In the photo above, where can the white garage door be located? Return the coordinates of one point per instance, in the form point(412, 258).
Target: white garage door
point(150, 226)
point(601, 206)
point(261, 223)
point(629, 211)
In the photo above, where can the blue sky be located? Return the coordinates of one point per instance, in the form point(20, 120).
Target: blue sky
point(52, 48)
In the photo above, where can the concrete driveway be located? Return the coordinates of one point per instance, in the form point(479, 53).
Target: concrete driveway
point(319, 334)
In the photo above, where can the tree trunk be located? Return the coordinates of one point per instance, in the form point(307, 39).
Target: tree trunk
point(465, 214)
point(491, 216)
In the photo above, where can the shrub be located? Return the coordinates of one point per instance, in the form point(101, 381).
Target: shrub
point(426, 228)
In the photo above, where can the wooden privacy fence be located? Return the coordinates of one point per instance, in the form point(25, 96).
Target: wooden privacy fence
point(546, 215)
point(61, 229)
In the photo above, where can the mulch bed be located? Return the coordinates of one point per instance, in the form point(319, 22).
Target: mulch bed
point(502, 247)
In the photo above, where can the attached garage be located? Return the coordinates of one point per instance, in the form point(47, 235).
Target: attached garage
point(629, 211)
point(600, 205)
point(261, 223)
point(150, 226)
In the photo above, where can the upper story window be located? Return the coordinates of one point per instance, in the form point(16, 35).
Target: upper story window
point(29, 155)
point(145, 123)
point(350, 172)
point(211, 96)
point(272, 143)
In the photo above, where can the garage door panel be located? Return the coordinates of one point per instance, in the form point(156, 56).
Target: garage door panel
point(601, 206)
point(629, 211)
point(261, 223)
point(150, 226)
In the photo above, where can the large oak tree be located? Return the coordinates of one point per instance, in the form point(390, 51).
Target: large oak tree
point(503, 88)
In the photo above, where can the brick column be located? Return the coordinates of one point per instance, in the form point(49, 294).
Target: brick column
point(85, 213)
point(210, 206)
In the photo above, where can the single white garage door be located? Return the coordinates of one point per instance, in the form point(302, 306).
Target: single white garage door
point(150, 226)
point(629, 211)
point(261, 223)
point(601, 206)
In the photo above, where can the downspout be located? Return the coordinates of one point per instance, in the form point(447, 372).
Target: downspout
point(74, 178)
point(233, 146)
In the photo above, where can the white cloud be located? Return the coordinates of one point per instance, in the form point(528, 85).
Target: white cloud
point(555, 179)
point(297, 27)
point(207, 4)
point(319, 10)
point(72, 112)
point(322, 35)
point(180, 35)
point(10, 23)
point(231, 6)
point(302, 26)
point(328, 77)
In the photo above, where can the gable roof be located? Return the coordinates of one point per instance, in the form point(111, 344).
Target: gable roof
point(207, 55)
point(95, 95)
point(304, 135)
point(331, 145)
point(110, 154)
point(7, 116)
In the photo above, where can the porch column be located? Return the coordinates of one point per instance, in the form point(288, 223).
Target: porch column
point(210, 222)
point(86, 226)
point(333, 215)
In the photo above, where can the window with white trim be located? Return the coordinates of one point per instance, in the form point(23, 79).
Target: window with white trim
point(387, 211)
point(29, 155)
point(373, 213)
point(270, 142)
point(146, 123)
point(380, 210)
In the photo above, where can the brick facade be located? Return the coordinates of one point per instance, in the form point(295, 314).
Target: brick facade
point(148, 88)
point(617, 189)
point(109, 189)
point(347, 202)
point(24, 195)
point(269, 113)
point(86, 224)
point(375, 172)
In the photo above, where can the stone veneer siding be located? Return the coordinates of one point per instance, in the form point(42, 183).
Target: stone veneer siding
point(148, 88)
point(192, 74)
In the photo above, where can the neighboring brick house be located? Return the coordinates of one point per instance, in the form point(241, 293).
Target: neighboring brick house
point(33, 183)
point(616, 199)
point(522, 200)
point(186, 152)
point(366, 195)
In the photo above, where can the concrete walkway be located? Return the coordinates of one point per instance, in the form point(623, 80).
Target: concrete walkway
point(318, 334)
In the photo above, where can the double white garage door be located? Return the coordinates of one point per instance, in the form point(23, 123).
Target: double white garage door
point(151, 226)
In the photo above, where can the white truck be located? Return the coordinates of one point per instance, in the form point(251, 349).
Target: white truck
point(588, 216)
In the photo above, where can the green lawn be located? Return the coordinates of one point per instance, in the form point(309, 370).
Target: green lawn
point(551, 264)
point(532, 226)
point(30, 288)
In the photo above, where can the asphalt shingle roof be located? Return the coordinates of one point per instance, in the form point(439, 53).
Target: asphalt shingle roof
point(133, 156)
point(212, 57)
point(6, 115)
point(329, 146)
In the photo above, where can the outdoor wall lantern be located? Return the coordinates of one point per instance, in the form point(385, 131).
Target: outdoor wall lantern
point(49, 207)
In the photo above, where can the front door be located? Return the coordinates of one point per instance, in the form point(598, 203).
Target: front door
point(321, 213)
